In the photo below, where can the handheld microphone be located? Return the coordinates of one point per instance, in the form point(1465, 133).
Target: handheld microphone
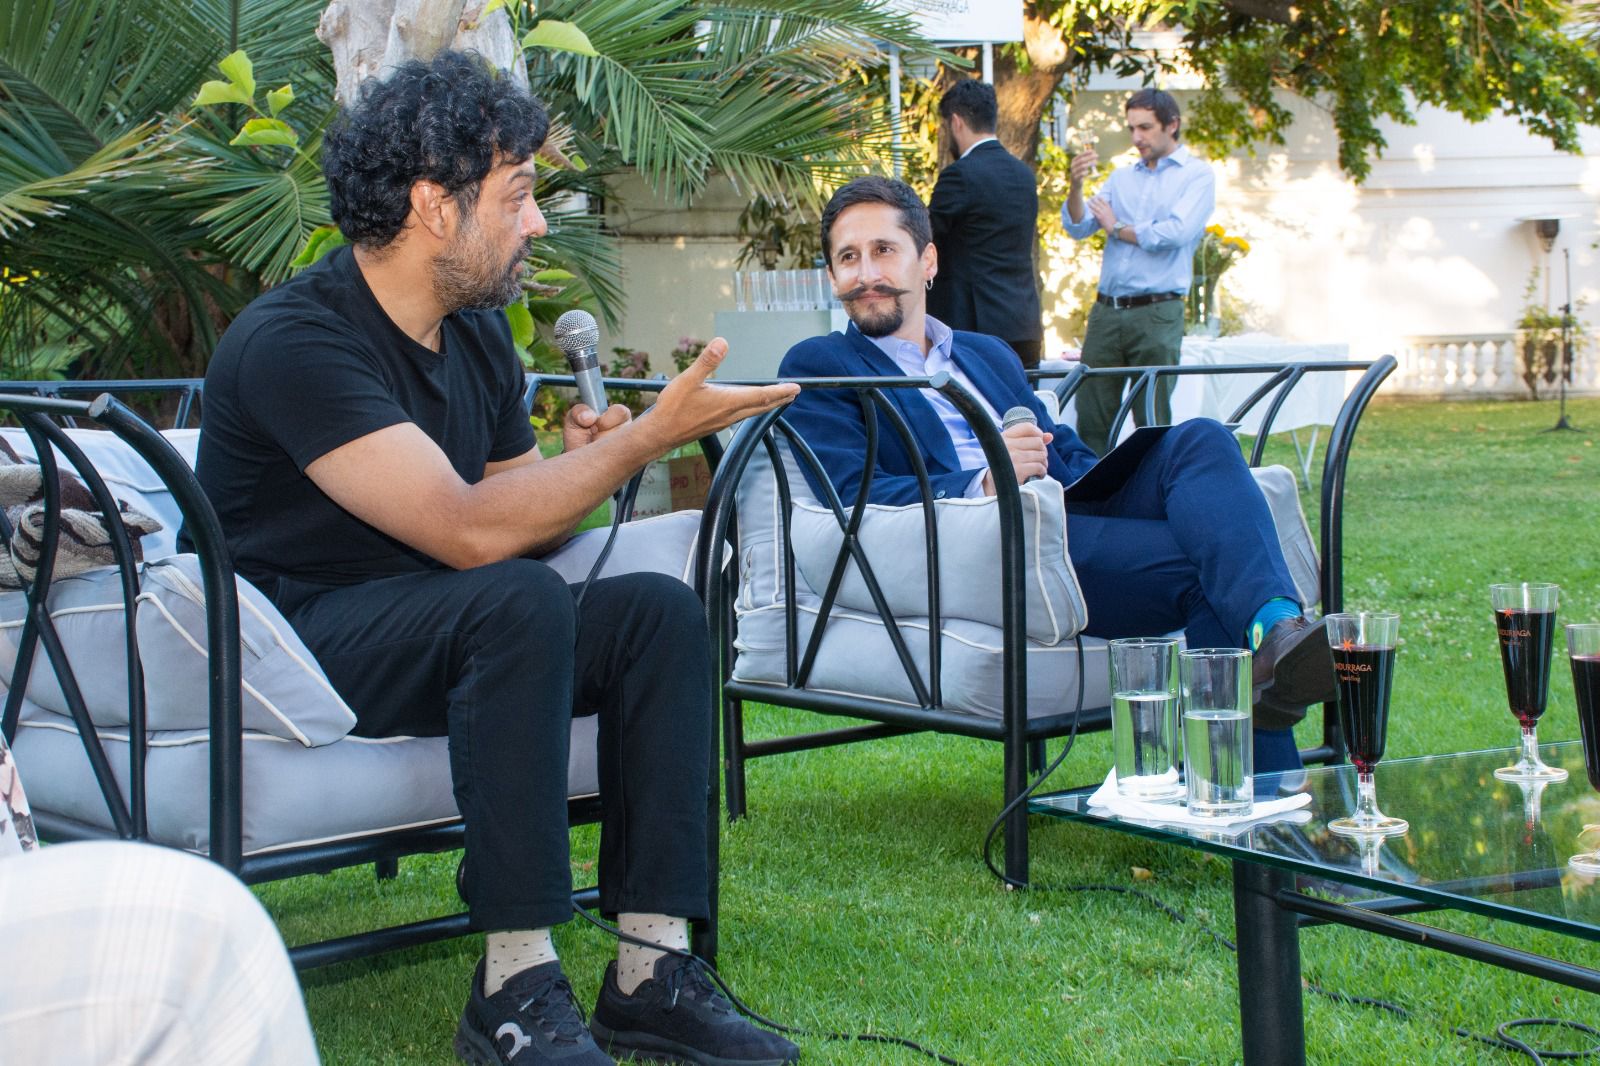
point(1019, 416)
point(578, 337)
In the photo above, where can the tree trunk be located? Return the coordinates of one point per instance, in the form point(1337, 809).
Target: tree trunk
point(1025, 96)
point(369, 37)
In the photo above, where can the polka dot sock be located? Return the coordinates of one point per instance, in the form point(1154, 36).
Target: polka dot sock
point(636, 964)
point(508, 954)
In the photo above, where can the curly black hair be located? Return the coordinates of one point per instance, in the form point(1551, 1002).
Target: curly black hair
point(449, 120)
point(874, 189)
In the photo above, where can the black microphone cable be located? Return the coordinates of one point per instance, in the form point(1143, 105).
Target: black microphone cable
point(1502, 1039)
point(621, 506)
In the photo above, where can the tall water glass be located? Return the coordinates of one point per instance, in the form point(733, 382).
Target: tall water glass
point(1363, 663)
point(1217, 754)
point(741, 290)
point(1583, 645)
point(824, 290)
point(764, 290)
point(1525, 616)
point(1144, 717)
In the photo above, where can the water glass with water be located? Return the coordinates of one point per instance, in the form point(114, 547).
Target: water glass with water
point(1217, 754)
point(1144, 717)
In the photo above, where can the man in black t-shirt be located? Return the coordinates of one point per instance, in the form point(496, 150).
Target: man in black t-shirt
point(375, 473)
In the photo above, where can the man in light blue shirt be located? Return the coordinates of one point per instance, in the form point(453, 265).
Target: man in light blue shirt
point(1153, 213)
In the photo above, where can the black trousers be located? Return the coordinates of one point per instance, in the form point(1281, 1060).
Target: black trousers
point(499, 658)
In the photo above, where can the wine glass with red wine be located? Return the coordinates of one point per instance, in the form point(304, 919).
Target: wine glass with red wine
point(1525, 616)
point(1583, 645)
point(1363, 663)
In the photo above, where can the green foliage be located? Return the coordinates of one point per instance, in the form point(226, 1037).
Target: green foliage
point(100, 166)
point(1362, 61)
point(158, 197)
point(1541, 337)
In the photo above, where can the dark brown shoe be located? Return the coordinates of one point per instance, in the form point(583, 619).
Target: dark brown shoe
point(1292, 669)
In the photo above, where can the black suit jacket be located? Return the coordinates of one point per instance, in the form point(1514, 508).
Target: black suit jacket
point(985, 212)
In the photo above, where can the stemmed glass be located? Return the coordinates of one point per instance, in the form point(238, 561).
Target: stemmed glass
point(1363, 661)
point(1525, 616)
point(1583, 645)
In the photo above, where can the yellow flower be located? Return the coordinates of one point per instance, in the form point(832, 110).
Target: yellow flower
point(1237, 242)
point(1215, 230)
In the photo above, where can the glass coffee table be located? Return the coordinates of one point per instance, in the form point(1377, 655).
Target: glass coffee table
point(1476, 844)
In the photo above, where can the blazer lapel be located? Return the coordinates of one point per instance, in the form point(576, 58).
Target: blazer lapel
point(986, 381)
point(912, 405)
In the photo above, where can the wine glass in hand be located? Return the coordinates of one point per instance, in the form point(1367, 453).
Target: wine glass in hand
point(1525, 616)
point(1363, 647)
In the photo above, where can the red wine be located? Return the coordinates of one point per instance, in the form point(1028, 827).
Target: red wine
point(1365, 674)
point(1525, 638)
point(1586, 686)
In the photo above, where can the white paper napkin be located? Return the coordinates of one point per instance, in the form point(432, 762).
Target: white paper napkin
point(1106, 797)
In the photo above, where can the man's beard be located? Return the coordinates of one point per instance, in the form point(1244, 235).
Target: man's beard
point(881, 324)
point(466, 276)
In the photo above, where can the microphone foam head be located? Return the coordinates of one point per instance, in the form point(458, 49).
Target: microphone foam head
point(575, 331)
point(1016, 416)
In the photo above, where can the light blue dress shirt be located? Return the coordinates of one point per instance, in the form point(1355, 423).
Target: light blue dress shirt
point(908, 357)
point(1167, 208)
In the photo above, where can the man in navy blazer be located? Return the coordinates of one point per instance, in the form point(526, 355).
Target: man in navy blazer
point(1185, 542)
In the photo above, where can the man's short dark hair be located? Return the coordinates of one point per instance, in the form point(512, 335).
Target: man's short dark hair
point(876, 190)
point(1162, 104)
point(974, 101)
point(448, 121)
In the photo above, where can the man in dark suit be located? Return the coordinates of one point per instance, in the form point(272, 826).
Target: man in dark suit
point(1184, 541)
point(985, 210)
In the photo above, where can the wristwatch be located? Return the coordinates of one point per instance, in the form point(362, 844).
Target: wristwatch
point(1116, 229)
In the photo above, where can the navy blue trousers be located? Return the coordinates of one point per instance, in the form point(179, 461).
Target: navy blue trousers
point(499, 658)
point(1186, 543)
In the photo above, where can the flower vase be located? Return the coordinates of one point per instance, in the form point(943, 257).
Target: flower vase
point(1211, 322)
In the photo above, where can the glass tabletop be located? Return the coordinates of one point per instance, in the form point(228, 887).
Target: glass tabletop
point(1476, 843)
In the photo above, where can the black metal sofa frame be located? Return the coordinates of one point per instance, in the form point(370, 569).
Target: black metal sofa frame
point(1023, 738)
point(43, 408)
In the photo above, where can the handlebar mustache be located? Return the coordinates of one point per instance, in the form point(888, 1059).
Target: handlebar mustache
point(878, 290)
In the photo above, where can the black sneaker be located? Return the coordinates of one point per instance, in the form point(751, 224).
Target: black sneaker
point(533, 1019)
point(679, 1016)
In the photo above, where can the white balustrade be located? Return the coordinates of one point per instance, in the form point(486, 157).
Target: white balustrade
point(1478, 364)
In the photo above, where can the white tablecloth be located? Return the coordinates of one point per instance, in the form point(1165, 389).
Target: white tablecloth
point(1315, 401)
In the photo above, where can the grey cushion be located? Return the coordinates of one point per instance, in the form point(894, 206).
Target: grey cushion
point(1278, 485)
point(663, 544)
point(293, 795)
point(285, 695)
point(894, 540)
point(858, 658)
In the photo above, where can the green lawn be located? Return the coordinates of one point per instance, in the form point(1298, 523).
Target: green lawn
point(853, 897)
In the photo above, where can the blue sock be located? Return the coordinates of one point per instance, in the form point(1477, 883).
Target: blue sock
point(1271, 613)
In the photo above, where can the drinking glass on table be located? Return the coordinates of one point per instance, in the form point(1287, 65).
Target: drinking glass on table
point(1217, 753)
point(1363, 647)
point(1144, 717)
point(1525, 616)
point(1583, 646)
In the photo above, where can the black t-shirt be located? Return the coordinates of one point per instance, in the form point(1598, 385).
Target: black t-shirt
point(314, 364)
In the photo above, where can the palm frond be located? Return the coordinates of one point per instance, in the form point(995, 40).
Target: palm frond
point(817, 37)
point(577, 242)
point(784, 145)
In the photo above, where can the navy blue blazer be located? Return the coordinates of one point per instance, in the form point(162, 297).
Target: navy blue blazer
point(830, 419)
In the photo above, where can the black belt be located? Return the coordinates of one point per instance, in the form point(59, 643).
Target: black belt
point(1123, 302)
